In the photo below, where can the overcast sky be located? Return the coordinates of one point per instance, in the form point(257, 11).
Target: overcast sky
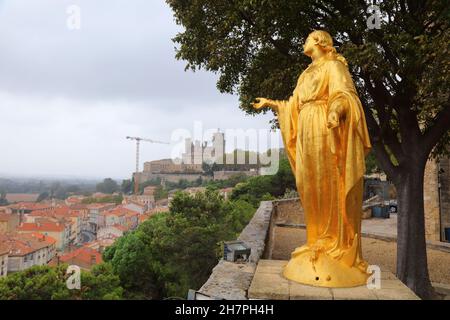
point(68, 98)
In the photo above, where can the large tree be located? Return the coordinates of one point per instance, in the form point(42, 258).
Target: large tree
point(175, 251)
point(401, 71)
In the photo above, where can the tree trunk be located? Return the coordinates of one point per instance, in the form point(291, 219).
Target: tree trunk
point(412, 267)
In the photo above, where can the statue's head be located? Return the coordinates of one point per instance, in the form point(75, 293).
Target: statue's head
point(318, 40)
point(320, 43)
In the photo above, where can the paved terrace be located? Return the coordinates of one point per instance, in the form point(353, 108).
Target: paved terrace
point(278, 228)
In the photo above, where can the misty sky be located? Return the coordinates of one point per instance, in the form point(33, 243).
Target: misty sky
point(68, 98)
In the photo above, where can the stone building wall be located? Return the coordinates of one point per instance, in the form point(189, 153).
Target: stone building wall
point(444, 183)
point(437, 198)
point(431, 202)
point(170, 177)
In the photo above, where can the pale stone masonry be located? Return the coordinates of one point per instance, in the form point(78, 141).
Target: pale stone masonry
point(437, 198)
point(231, 280)
point(269, 284)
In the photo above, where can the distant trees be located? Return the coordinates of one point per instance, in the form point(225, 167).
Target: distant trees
point(50, 188)
point(255, 189)
point(153, 182)
point(3, 201)
point(160, 193)
point(107, 186)
point(42, 196)
point(107, 199)
point(127, 186)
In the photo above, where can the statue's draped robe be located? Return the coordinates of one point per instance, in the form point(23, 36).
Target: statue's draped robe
point(328, 163)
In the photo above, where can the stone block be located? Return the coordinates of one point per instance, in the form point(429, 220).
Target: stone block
point(269, 286)
point(395, 294)
point(271, 266)
point(356, 293)
point(299, 291)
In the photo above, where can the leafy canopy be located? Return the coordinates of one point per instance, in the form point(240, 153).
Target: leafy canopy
point(401, 70)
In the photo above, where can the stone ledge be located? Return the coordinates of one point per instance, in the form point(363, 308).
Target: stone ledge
point(269, 284)
point(431, 244)
point(231, 281)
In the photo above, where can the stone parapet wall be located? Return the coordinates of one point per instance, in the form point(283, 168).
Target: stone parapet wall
point(231, 281)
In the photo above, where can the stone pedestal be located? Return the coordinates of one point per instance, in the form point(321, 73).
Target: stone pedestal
point(269, 284)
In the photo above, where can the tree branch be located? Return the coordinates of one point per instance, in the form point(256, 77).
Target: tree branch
point(383, 99)
point(435, 132)
point(283, 50)
point(380, 150)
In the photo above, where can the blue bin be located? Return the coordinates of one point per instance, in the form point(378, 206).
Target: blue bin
point(447, 234)
point(381, 212)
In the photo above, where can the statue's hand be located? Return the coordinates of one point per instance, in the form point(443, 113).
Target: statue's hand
point(333, 120)
point(261, 103)
point(337, 112)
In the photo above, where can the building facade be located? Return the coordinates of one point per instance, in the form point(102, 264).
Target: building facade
point(437, 199)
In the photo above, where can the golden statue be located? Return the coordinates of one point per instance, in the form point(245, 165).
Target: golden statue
point(326, 139)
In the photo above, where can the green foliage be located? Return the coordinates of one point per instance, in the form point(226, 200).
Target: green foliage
point(401, 70)
point(161, 193)
point(36, 283)
point(176, 251)
point(107, 199)
point(107, 186)
point(3, 201)
point(49, 283)
point(100, 284)
point(290, 193)
point(182, 184)
point(127, 186)
point(268, 187)
point(372, 163)
point(153, 182)
point(43, 196)
point(227, 183)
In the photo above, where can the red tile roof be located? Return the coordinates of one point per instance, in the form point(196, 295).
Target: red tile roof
point(79, 207)
point(23, 244)
point(42, 227)
point(30, 206)
point(83, 255)
point(40, 237)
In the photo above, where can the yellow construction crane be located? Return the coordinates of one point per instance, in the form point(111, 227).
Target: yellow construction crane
point(138, 143)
